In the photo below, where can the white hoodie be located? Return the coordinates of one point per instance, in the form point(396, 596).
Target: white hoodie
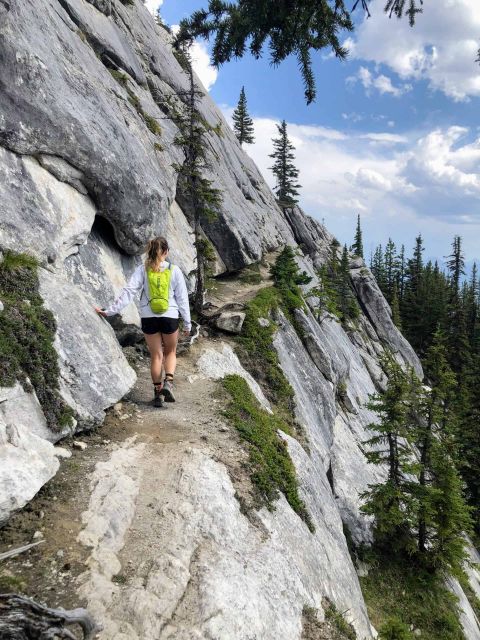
point(178, 296)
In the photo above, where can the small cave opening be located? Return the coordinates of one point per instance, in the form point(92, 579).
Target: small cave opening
point(102, 229)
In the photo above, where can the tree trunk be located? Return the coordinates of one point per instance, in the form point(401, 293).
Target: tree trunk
point(24, 619)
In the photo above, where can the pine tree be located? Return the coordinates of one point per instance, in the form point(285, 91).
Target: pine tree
point(395, 305)
point(393, 503)
point(413, 300)
point(401, 274)
point(199, 198)
point(284, 169)
point(290, 28)
point(357, 246)
point(377, 267)
point(327, 292)
point(458, 343)
point(472, 306)
point(443, 515)
point(347, 303)
point(242, 122)
point(390, 258)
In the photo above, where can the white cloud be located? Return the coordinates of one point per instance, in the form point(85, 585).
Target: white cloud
point(402, 185)
point(372, 180)
point(382, 83)
point(385, 138)
point(440, 49)
point(201, 65)
point(201, 61)
point(153, 5)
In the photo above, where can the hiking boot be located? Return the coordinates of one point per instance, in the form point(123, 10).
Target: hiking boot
point(158, 400)
point(167, 391)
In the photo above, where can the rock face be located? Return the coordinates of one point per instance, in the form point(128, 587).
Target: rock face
point(85, 181)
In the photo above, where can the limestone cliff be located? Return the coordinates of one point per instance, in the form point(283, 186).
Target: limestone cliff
point(85, 180)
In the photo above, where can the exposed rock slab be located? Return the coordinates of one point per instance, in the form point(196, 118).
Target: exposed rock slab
point(221, 362)
point(27, 462)
point(379, 313)
point(94, 373)
point(40, 214)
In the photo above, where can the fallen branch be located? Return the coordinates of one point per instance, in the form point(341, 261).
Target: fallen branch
point(15, 552)
point(24, 619)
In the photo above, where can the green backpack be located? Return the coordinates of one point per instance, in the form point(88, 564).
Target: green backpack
point(159, 288)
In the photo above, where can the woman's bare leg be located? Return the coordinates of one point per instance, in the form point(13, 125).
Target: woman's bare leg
point(170, 352)
point(154, 344)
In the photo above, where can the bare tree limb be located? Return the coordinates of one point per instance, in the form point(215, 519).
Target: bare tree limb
point(23, 619)
point(15, 552)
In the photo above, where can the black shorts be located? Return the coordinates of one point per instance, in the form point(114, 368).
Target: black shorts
point(159, 325)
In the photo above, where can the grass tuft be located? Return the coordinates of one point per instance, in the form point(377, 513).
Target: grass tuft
point(271, 469)
point(398, 595)
point(259, 356)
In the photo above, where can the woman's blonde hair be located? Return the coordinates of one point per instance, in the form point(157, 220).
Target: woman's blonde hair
point(156, 248)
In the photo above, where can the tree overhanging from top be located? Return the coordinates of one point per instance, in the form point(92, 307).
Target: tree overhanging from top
point(286, 27)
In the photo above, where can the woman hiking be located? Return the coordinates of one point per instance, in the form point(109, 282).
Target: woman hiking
point(163, 297)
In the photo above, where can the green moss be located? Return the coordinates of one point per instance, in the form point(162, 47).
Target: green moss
point(119, 578)
point(395, 589)
point(158, 147)
point(338, 622)
point(120, 77)
point(271, 468)
point(258, 354)
point(152, 124)
point(395, 629)
point(27, 333)
point(470, 593)
point(134, 101)
point(11, 584)
point(334, 627)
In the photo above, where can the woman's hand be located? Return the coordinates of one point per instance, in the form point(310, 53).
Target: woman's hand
point(100, 312)
point(186, 333)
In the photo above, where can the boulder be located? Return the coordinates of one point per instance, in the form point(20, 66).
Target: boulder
point(27, 462)
point(230, 321)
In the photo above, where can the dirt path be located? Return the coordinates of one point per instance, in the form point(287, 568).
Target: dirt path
point(102, 518)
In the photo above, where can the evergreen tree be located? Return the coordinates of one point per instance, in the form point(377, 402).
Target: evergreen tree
point(357, 246)
point(290, 28)
point(377, 267)
point(443, 515)
point(284, 168)
point(401, 274)
point(327, 292)
point(413, 300)
point(199, 198)
point(242, 122)
point(347, 303)
point(456, 322)
point(472, 306)
point(393, 503)
point(469, 440)
point(395, 305)
point(390, 258)
point(288, 278)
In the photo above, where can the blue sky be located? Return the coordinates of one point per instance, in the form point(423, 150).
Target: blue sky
point(394, 133)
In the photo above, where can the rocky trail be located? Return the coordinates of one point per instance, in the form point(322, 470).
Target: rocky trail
point(106, 519)
point(122, 527)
